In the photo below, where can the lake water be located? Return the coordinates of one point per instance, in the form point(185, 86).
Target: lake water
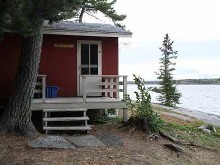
point(204, 98)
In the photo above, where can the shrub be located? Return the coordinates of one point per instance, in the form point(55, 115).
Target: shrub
point(141, 109)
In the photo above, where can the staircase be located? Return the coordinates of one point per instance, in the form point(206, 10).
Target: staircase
point(65, 120)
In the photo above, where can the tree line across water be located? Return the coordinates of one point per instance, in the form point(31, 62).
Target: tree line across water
point(205, 81)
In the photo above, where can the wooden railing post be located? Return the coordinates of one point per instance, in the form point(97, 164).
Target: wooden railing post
point(40, 87)
point(106, 86)
point(125, 111)
point(84, 88)
point(43, 89)
point(111, 87)
point(117, 87)
point(124, 86)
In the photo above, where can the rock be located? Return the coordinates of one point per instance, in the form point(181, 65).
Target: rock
point(202, 127)
point(51, 142)
point(85, 141)
point(209, 129)
point(110, 139)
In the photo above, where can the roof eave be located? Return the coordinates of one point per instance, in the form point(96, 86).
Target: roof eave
point(80, 33)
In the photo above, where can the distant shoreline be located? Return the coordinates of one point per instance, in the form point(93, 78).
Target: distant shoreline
point(215, 81)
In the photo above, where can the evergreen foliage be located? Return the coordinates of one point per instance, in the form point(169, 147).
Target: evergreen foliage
point(141, 108)
point(104, 6)
point(26, 16)
point(169, 94)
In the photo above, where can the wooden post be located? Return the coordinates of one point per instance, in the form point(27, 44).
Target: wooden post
point(125, 114)
point(111, 88)
point(124, 86)
point(117, 87)
point(84, 88)
point(84, 115)
point(125, 111)
point(45, 122)
point(106, 86)
point(43, 88)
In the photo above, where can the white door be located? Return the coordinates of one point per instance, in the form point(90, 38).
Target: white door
point(89, 63)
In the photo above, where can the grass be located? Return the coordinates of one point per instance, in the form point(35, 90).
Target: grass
point(188, 131)
point(191, 133)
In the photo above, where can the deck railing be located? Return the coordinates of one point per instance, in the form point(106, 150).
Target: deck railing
point(112, 86)
point(40, 87)
point(104, 85)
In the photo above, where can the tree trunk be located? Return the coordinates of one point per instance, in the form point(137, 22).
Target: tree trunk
point(82, 11)
point(81, 14)
point(16, 117)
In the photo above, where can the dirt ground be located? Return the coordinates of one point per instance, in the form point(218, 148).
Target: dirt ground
point(137, 150)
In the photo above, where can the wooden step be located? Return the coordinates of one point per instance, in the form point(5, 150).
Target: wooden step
point(66, 119)
point(76, 128)
point(65, 110)
point(38, 91)
point(38, 83)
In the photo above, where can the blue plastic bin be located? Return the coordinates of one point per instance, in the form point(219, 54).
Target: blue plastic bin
point(52, 91)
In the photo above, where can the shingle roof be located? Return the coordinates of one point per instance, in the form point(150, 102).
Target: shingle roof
point(93, 29)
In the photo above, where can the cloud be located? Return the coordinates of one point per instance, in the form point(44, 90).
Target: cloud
point(144, 61)
point(184, 19)
point(192, 24)
point(146, 70)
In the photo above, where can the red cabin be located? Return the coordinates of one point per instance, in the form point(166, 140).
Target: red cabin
point(81, 59)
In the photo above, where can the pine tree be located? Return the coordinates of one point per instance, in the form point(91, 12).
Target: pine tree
point(169, 95)
point(104, 6)
point(27, 17)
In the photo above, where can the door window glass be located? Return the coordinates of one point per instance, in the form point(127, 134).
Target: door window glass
point(89, 59)
point(94, 54)
point(85, 54)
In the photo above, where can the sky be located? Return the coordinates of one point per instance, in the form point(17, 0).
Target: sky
point(194, 25)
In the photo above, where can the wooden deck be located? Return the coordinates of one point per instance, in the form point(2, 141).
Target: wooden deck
point(78, 102)
point(109, 87)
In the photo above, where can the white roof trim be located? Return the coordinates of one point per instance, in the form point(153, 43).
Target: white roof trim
point(80, 33)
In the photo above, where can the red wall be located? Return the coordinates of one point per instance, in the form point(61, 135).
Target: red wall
point(10, 50)
point(110, 56)
point(59, 64)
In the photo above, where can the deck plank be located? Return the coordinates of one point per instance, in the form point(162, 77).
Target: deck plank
point(66, 119)
point(81, 128)
point(77, 102)
point(65, 110)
